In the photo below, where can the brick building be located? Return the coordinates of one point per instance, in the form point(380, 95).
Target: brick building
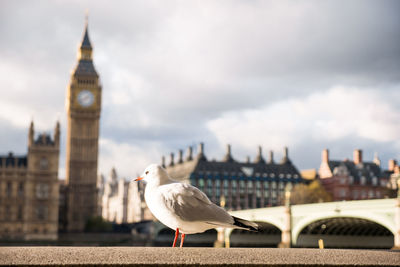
point(233, 184)
point(394, 174)
point(353, 179)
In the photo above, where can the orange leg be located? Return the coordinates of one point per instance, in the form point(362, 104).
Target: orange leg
point(182, 238)
point(176, 237)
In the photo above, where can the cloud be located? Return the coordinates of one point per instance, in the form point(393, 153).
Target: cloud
point(12, 138)
point(321, 118)
point(129, 160)
point(173, 71)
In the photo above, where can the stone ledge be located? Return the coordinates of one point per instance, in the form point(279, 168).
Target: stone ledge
point(161, 256)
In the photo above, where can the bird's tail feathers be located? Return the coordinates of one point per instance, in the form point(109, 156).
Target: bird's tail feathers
point(244, 224)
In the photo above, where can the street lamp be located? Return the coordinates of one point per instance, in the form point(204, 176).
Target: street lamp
point(287, 227)
point(288, 192)
point(222, 201)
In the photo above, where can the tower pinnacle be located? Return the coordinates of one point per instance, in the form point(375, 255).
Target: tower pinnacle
point(86, 47)
point(85, 64)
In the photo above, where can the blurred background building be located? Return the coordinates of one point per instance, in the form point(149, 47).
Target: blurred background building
point(122, 201)
point(355, 179)
point(233, 184)
point(29, 189)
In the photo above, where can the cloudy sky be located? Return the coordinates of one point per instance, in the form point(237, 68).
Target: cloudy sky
point(304, 74)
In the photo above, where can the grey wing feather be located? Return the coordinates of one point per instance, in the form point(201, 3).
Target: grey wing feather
point(190, 204)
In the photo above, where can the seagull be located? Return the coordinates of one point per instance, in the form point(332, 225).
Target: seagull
point(183, 207)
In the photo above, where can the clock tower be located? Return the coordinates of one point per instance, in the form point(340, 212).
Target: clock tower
point(83, 105)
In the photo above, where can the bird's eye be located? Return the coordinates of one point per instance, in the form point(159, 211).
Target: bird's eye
point(147, 172)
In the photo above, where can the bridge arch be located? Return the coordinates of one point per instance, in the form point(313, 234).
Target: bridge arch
point(268, 235)
point(271, 215)
point(276, 222)
point(382, 222)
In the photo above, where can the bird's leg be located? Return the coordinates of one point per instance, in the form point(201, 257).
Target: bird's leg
point(182, 238)
point(176, 237)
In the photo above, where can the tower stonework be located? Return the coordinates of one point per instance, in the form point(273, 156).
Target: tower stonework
point(83, 105)
point(29, 190)
point(41, 210)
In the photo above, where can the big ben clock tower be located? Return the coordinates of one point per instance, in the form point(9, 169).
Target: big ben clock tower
point(83, 108)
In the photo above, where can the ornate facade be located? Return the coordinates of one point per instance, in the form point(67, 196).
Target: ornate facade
point(83, 108)
point(233, 184)
point(353, 179)
point(122, 201)
point(29, 190)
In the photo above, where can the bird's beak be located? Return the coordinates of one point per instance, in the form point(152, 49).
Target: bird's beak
point(139, 178)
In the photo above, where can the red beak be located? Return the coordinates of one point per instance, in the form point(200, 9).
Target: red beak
point(139, 178)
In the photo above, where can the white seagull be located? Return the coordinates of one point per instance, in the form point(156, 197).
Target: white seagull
point(183, 207)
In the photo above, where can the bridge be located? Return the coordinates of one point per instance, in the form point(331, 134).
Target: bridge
point(345, 224)
point(362, 223)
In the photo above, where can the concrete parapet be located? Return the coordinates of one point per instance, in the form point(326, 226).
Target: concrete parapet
point(157, 256)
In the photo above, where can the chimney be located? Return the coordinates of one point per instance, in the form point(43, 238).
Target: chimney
point(189, 156)
point(392, 164)
point(200, 154)
point(286, 152)
point(271, 157)
point(180, 158)
point(285, 158)
point(201, 149)
point(325, 155)
point(228, 156)
point(357, 156)
point(163, 161)
point(171, 163)
point(259, 158)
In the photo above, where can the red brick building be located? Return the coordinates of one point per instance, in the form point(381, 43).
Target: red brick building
point(353, 179)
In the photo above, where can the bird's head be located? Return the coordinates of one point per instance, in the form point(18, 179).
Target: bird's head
point(154, 174)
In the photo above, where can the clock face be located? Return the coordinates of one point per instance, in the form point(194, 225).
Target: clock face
point(85, 98)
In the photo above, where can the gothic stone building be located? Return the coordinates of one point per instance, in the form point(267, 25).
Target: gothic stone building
point(122, 201)
point(29, 190)
point(237, 185)
point(29, 186)
point(353, 179)
point(83, 109)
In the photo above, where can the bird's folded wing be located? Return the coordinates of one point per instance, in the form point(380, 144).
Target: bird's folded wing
point(190, 204)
